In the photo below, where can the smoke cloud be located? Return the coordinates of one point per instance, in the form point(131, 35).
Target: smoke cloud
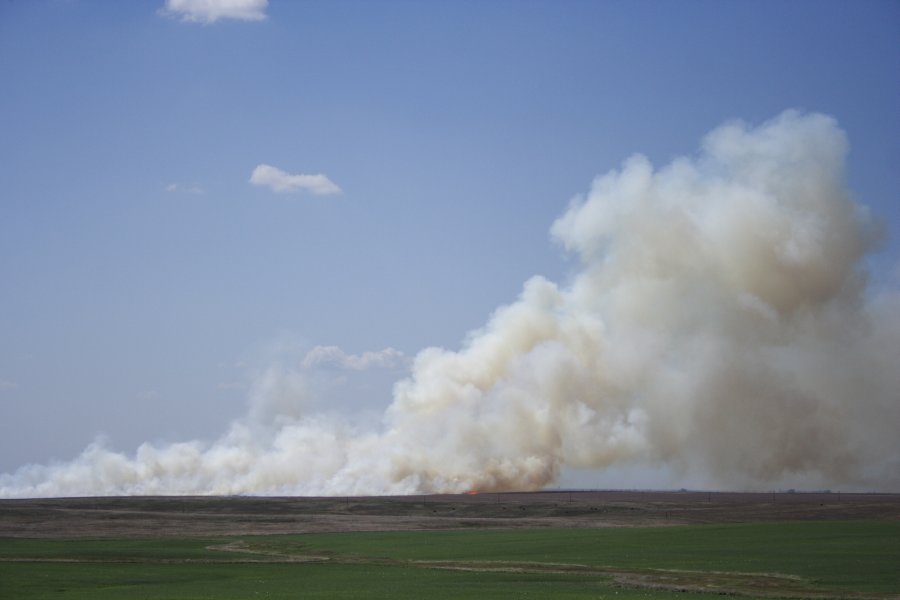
point(388, 358)
point(719, 326)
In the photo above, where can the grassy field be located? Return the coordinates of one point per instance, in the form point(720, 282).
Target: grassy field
point(800, 560)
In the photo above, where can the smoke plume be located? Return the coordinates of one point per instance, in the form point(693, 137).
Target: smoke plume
point(719, 326)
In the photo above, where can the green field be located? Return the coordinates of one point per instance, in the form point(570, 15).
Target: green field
point(799, 560)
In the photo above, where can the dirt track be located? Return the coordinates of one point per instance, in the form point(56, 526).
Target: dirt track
point(223, 516)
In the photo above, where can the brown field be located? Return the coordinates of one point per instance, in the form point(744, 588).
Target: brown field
point(242, 515)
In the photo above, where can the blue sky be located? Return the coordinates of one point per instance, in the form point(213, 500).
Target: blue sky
point(144, 276)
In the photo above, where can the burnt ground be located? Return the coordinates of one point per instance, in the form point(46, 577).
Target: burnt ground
point(196, 516)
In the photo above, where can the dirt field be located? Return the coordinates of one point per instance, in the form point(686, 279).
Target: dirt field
point(223, 516)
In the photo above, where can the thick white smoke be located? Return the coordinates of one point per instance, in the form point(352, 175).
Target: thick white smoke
point(719, 326)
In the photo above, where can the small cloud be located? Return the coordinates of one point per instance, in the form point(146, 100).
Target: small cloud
point(6, 385)
point(279, 181)
point(182, 188)
point(210, 11)
point(332, 356)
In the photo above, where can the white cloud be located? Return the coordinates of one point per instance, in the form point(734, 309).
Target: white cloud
point(183, 188)
point(210, 11)
point(5, 385)
point(279, 181)
point(332, 356)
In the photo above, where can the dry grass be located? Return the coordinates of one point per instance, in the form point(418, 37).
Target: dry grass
point(229, 516)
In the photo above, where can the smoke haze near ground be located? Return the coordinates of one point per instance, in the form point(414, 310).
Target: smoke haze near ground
point(718, 326)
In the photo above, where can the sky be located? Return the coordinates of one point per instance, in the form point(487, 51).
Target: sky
point(190, 196)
